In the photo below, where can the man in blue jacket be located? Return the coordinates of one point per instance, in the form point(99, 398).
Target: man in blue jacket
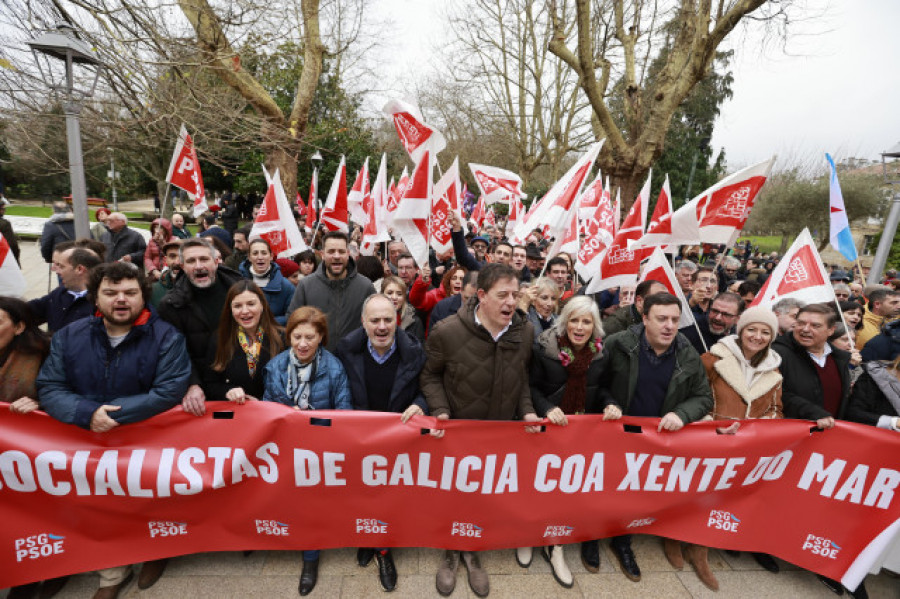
point(123, 366)
point(383, 364)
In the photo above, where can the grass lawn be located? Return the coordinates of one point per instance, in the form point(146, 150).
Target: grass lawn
point(46, 211)
point(766, 243)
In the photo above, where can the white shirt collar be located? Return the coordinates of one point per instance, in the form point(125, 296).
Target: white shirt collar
point(498, 335)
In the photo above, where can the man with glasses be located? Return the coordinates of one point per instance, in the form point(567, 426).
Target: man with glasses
point(703, 288)
point(715, 324)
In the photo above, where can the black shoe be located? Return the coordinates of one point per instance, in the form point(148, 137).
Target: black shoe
point(364, 556)
point(387, 573)
point(308, 577)
point(767, 561)
point(629, 565)
point(51, 587)
point(24, 591)
point(590, 555)
point(860, 592)
point(833, 585)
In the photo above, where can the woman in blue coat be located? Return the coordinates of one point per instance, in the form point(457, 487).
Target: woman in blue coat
point(261, 268)
point(308, 377)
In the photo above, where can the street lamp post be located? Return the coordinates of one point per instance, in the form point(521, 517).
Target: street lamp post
point(113, 175)
point(63, 45)
point(890, 223)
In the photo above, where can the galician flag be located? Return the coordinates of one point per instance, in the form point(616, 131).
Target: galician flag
point(841, 239)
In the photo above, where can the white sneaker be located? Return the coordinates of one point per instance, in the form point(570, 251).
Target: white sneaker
point(558, 565)
point(523, 556)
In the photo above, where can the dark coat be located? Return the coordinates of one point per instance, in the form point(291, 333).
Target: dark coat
point(549, 376)
point(10, 236)
point(350, 352)
point(340, 299)
point(885, 345)
point(464, 257)
point(179, 308)
point(236, 373)
point(279, 291)
point(444, 308)
point(58, 228)
point(801, 388)
point(125, 242)
point(688, 395)
point(146, 374)
point(469, 375)
point(621, 319)
point(60, 308)
point(868, 402)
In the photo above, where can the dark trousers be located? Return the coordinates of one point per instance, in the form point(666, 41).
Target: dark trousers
point(621, 542)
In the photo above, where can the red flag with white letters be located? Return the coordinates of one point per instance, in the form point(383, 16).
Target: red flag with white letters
point(446, 200)
point(416, 136)
point(497, 184)
point(414, 210)
point(184, 171)
point(275, 222)
point(657, 268)
point(599, 233)
point(358, 193)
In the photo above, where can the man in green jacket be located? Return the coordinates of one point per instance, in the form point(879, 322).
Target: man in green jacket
point(651, 370)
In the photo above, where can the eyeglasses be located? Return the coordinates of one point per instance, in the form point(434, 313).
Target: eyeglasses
point(713, 311)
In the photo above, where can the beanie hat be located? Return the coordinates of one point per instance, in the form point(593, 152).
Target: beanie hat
point(287, 266)
point(758, 314)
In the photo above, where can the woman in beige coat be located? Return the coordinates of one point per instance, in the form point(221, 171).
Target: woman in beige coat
point(745, 382)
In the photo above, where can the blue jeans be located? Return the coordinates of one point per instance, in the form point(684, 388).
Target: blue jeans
point(310, 555)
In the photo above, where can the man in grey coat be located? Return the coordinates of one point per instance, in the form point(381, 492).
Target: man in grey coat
point(335, 288)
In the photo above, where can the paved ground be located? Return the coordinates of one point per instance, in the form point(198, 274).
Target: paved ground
point(276, 573)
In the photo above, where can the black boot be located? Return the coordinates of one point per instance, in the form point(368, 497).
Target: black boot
point(308, 577)
point(590, 555)
point(364, 556)
point(387, 573)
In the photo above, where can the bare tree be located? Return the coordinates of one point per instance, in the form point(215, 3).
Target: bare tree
point(513, 88)
point(616, 40)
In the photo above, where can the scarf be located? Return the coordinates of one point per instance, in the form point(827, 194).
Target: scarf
point(575, 391)
point(299, 382)
point(251, 350)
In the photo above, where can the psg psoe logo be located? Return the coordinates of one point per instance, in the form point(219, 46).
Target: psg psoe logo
point(721, 520)
point(466, 529)
point(641, 522)
point(555, 531)
point(822, 546)
point(272, 528)
point(38, 546)
point(371, 526)
point(167, 529)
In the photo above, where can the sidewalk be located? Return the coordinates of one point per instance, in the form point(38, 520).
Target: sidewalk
point(276, 574)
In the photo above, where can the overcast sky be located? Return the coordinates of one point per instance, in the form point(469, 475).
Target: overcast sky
point(836, 88)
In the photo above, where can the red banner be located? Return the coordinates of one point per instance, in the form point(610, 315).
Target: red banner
point(268, 477)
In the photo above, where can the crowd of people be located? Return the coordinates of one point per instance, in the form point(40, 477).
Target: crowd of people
point(490, 330)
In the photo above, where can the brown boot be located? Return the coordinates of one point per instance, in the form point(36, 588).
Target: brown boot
point(445, 581)
point(672, 549)
point(697, 555)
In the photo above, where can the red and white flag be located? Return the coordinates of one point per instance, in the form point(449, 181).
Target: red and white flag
point(334, 215)
point(554, 212)
point(516, 214)
point(415, 135)
point(620, 264)
point(313, 199)
point(412, 214)
point(375, 230)
point(395, 193)
point(659, 231)
point(301, 205)
point(446, 201)
point(800, 275)
point(599, 234)
point(567, 242)
point(184, 171)
point(588, 202)
point(497, 184)
point(275, 222)
point(617, 208)
point(719, 213)
point(478, 213)
point(12, 281)
point(358, 193)
point(490, 218)
point(657, 268)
